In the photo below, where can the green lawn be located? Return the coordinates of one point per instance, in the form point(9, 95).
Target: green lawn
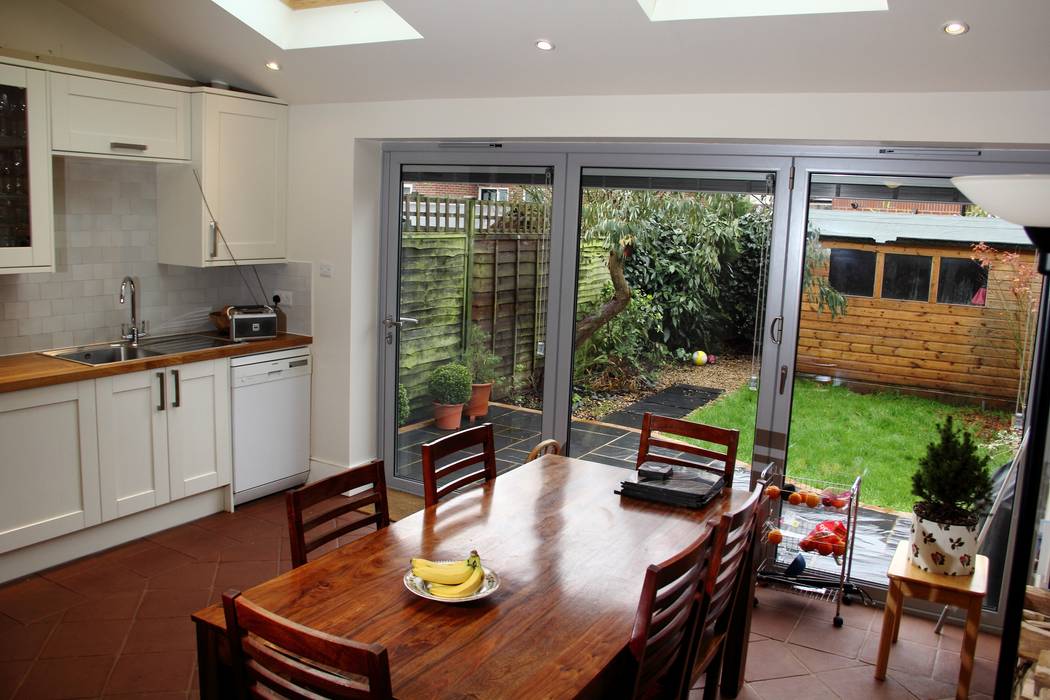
point(837, 434)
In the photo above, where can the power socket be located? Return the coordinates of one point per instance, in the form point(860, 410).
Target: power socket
point(287, 298)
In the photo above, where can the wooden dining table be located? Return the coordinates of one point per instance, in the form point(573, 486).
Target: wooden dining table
point(570, 554)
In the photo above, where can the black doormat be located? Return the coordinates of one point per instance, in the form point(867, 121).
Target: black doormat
point(674, 402)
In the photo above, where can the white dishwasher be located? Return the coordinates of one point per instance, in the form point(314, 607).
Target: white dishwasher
point(271, 422)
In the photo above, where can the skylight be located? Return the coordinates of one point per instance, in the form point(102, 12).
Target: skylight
point(669, 10)
point(366, 22)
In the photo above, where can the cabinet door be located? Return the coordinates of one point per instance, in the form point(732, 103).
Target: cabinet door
point(245, 153)
point(132, 442)
point(26, 230)
point(198, 411)
point(89, 115)
point(49, 483)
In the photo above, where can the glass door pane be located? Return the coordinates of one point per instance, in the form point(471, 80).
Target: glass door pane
point(474, 261)
point(915, 306)
point(14, 168)
point(672, 272)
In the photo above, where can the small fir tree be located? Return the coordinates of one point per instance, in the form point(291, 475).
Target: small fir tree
point(952, 483)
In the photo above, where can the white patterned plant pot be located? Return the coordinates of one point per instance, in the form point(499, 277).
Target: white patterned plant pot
point(938, 548)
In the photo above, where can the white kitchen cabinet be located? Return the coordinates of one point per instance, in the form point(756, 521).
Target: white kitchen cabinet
point(49, 483)
point(200, 453)
point(240, 152)
point(26, 218)
point(133, 442)
point(115, 118)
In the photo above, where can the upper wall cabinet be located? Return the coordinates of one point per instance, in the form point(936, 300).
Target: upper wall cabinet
point(26, 228)
point(107, 117)
point(240, 153)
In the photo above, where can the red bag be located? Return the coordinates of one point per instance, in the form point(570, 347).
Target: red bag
point(828, 537)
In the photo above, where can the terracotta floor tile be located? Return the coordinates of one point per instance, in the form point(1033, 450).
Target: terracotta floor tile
point(823, 636)
point(260, 550)
point(117, 607)
point(51, 679)
point(145, 673)
point(910, 657)
point(35, 598)
point(162, 634)
point(24, 642)
point(817, 661)
point(11, 675)
point(775, 623)
point(855, 615)
point(923, 687)
point(196, 542)
point(859, 682)
point(159, 604)
point(104, 581)
point(198, 575)
point(86, 638)
point(746, 693)
point(946, 670)
point(808, 687)
point(771, 659)
point(919, 630)
point(155, 561)
point(773, 598)
point(253, 529)
point(987, 644)
point(244, 574)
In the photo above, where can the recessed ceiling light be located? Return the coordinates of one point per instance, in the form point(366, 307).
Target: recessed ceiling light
point(544, 45)
point(273, 65)
point(956, 28)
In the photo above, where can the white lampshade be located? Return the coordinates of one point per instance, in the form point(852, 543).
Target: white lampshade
point(1020, 199)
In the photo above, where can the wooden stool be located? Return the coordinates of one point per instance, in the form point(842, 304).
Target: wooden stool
point(966, 592)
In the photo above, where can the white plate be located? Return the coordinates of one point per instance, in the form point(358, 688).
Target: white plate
point(421, 588)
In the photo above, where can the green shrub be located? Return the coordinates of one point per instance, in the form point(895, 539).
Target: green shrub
point(450, 384)
point(479, 360)
point(625, 348)
point(402, 404)
point(952, 482)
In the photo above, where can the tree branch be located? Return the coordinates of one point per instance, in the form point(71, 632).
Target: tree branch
point(587, 327)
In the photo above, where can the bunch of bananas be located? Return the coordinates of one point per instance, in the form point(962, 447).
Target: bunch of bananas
point(457, 579)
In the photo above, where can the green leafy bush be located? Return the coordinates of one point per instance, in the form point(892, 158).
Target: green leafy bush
point(480, 361)
point(450, 384)
point(402, 404)
point(625, 348)
point(952, 483)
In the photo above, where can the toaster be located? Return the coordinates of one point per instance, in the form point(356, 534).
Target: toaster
point(252, 322)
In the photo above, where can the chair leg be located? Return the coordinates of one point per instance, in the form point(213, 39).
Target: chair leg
point(713, 675)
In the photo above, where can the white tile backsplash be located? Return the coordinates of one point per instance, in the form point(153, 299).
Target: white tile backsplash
point(106, 228)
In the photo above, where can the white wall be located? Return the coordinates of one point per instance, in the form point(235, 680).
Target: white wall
point(335, 173)
point(49, 28)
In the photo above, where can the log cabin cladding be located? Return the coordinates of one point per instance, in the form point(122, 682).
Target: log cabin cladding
point(958, 352)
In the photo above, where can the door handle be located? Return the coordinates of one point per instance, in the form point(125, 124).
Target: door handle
point(389, 321)
point(128, 146)
point(783, 378)
point(163, 392)
point(776, 330)
point(214, 231)
point(178, 389)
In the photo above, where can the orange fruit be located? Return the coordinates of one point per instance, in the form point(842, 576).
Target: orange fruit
point(795, 498)
point(839, 548)
point(839, 503)
point(824, 548)
point(773, 492)
point(812, 500)
point(807, 545)
point(775, 537)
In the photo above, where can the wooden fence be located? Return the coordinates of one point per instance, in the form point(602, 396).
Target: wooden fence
point(505, 246)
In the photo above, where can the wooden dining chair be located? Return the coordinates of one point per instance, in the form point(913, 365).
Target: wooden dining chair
point(274, 657)
point(480, 436)
point(547, 447)
point(697, 431)
point(301, 523)
point(713, 607)
point(663, 624)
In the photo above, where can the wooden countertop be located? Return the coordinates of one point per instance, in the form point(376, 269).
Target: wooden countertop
point(31, 369)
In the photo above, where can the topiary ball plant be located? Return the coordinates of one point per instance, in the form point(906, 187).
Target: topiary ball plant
point(952, 482)
point(450, 384)
point(402, 404)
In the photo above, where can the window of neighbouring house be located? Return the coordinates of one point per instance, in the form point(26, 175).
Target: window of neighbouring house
point(494, 194)
point(852, 271)
point(906, 277)
point(407, 188)
point(962, 281)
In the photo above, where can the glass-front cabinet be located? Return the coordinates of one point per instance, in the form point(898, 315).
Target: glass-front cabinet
point(26, 231)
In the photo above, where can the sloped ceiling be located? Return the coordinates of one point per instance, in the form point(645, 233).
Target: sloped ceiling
point(475, 48)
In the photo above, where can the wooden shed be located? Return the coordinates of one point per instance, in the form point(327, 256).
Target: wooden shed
point(922, 315)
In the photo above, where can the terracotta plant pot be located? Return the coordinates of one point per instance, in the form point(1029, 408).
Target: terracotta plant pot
point(448, 416)
point(945, 549)
point(478, 405)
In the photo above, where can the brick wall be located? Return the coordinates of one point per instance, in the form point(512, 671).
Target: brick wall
point(466, 190)
point(898, 207)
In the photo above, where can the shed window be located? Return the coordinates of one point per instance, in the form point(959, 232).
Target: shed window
point(962, 281)
point(852, 271)
point(906, 277)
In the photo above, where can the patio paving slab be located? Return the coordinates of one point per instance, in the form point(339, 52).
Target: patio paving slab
point(674, 401)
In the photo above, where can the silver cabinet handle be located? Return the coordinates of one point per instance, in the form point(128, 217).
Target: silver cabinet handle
point(163, 392)
point(213, 229)
point(128, 146)
point(178, 389)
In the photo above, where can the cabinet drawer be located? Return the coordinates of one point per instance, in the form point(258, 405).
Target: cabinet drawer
point(89, 115)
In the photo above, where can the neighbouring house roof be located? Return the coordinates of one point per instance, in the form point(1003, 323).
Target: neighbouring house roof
point(890, 228)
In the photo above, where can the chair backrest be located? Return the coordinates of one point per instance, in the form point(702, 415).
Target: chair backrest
point(547, 447)
point(666, 612)
point(273, 657)
point(482, 437)
point(300, 524)
point(732, 544)
point(697, 431)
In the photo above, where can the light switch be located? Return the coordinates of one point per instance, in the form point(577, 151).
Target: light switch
point(326, 269)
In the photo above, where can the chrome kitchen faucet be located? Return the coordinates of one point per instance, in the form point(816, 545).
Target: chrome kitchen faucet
point(136, 330)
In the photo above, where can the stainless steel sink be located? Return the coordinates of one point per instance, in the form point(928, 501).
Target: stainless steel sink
point(102, 354)
point(108, 353)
